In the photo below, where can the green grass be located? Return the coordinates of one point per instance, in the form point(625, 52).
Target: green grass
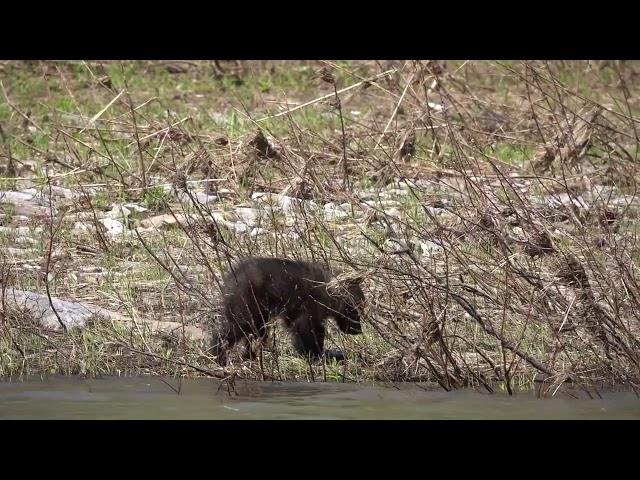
point(516, 155)
point(155, 198)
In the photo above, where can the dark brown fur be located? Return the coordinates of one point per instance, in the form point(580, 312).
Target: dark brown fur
point(258, 289)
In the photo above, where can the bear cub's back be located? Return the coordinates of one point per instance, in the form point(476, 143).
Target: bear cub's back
point(277, 279)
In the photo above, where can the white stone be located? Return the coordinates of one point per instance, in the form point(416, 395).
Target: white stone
point(430, 248)
point(332, 210)
point(12, 197)
point(258, 231)
point(133, 206)
point(118, 211)
point(114, 227)
point(248, 215)
point(238, 227)
point(204, 197)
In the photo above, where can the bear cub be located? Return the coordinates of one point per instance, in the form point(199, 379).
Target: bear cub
point(302, 294)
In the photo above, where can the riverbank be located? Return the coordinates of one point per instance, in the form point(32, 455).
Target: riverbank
point(493, 206)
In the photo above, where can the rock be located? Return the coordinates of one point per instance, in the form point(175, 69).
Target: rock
point(158, 221)
point(435, 211)
point(4, 219)
point(394, 245)
point(72, 314)
point(30, 210)
point(135, 207)
point(258, 231)
point(118, 211)
point(394, 193)
point(220, 218)
point(63, 192)
point(25, 241)
point(90, 278)
point(164, 220)
point(393, 212)
point(81, 227)
point(289, 204)
point(204, 197)
point(80, 314)
point(248, 215)
point(238, 227)
point(564, 199)
point(625, 201)
point(28, 203)
point(333, 211)
point(366, 195)
point(56, 191)
point(382, 203)
point(20, 232)
point(91, 269)
point(263, 196)
point(294, 205)
point(167, 220)
point(12, 252)
point(27, 231)
point(114, 227)
point(430, 248)
point(18, 197)
point(83, 216)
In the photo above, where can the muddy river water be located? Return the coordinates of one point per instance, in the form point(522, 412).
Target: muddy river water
point(155, 398)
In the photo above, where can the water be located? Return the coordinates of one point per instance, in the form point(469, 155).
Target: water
point(151, 398)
